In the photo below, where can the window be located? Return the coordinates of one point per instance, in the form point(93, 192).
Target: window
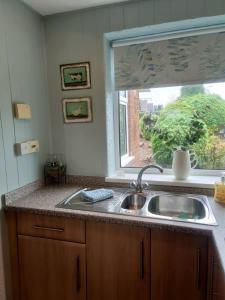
point(123, 130)
point(173, 80)
point(123, 127)
point(162, 119)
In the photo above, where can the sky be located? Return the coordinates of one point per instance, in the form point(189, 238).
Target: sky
point(169, 94)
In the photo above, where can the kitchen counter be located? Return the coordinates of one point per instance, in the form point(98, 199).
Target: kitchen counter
point(43, 200)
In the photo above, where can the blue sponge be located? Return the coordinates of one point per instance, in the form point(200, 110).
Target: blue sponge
point(97, 195)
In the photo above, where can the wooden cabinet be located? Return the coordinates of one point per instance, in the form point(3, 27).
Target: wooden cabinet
point(57, 258)
point(216, 286)
point(51, 269)
point(178, 266)
point(48, 257)
point(118, 262)
point(52, 227)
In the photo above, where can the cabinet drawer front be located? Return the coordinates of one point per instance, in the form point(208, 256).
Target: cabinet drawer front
point(60, 228)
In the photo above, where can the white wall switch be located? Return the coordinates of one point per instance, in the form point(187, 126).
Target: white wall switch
point(27, 147)
point(22, 111)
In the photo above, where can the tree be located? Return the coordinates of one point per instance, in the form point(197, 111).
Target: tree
point(209, 107)
point(189, 122)
point(210, 153)
point(177, 125)
point(146, 123)
point(189, 90)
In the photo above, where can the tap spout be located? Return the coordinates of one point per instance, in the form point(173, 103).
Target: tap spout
point(139, 186)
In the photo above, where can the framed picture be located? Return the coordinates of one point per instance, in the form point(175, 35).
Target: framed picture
point(78, 110)
point(75, 76)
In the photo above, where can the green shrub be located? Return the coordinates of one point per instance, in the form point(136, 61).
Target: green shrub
point(210, 153)
point(146, 123)
point(192, 122)
point(178, 125)
point(209, 108)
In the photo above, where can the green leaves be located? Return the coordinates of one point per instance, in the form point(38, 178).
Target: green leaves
point(192, 122)
point(178, 126)
point(185, 123)
point(146, 123)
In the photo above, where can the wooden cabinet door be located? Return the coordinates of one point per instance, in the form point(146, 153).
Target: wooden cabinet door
point(118, 262)
point(178, 266)
point(51, 269)
point(218, 292)
point(216, 277)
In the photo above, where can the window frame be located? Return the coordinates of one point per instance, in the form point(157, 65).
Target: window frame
point(123, 101)
point(159, 32)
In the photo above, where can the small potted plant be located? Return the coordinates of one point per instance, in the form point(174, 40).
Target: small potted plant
point(55, 169)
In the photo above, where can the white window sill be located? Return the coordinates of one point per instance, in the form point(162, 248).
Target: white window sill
point(125, 160)
point(192, 181)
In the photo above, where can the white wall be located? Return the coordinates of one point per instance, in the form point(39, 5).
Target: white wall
point(78, 36)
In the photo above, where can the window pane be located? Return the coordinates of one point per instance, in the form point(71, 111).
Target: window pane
point(160, 120)
point(123, 130)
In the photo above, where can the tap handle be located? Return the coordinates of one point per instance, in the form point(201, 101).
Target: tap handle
point(145, 186)
point(133, 184)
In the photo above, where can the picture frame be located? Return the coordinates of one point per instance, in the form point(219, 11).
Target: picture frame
point(77, 110)
point(75, 76)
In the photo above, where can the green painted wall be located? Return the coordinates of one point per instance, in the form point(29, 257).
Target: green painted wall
point(22, 78)
point(70, 37)
point(77, 37)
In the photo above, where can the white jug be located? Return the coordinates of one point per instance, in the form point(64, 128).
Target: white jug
point(182, 164)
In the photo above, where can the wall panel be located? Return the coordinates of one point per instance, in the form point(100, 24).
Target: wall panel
point(146, 10)
point(23, 79)
point(85, 144)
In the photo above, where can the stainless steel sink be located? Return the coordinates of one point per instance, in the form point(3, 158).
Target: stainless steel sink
point(165, 206)
point(134, 201)
point(186, 208)
point(169, 206)
point(176, 206)
point(76, 202)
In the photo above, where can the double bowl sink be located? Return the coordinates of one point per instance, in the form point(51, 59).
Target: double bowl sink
point(167, 206)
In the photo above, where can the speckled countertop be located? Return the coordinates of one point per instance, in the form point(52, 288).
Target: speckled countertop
point(42, 200)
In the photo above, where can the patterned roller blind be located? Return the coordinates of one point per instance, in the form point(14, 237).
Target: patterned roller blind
point(177, 61)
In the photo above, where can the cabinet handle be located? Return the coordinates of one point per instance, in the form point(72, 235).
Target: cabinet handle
point(198, 275)
point(215, 294)
point(78, 274)
point(211, 277)
point(48, 228)
point(142, 260)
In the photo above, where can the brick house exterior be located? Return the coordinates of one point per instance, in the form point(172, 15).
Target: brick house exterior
point(133, 119)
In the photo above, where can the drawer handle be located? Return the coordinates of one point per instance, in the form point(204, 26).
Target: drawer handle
point(48, 228)
point(78, 274)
